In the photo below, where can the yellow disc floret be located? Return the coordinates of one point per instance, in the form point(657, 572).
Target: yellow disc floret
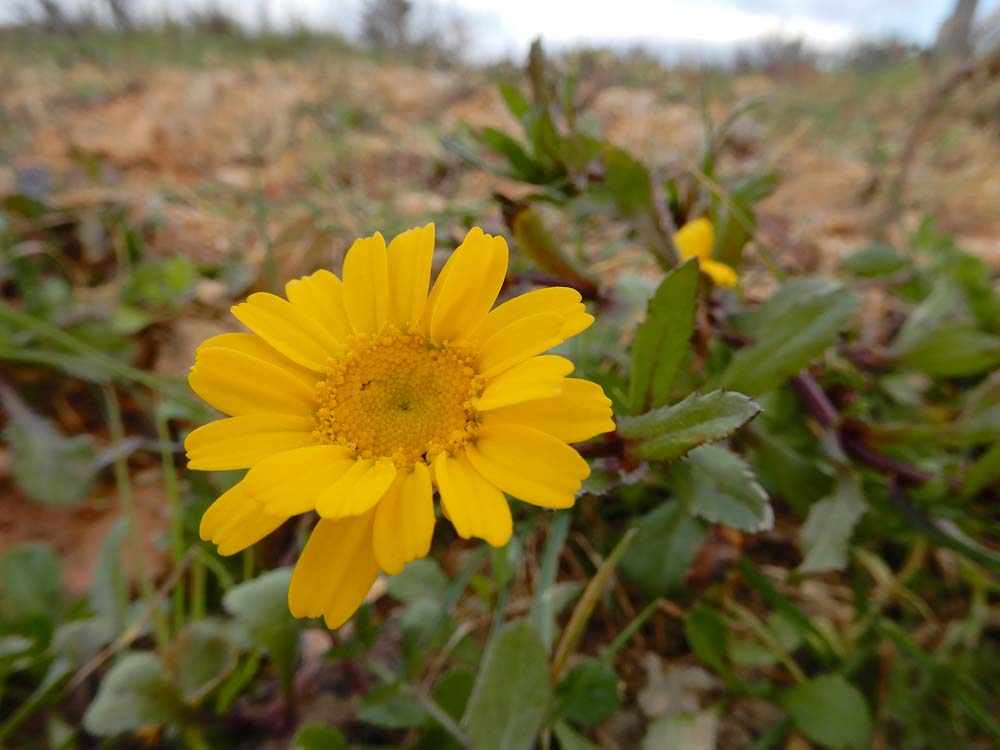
point(398, 396)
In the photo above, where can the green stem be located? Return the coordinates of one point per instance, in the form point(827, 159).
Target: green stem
point(48, 331)
point(125, 500)
point(172, 491)
point(442, 718)
point(198, 605)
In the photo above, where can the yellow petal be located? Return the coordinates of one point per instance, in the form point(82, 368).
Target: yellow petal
point(335, 570)
point(321, 297)
point(538, 377)
point(255, 346)
point(239, 384)
point(410, 255)
point(529, 464)
point(404, 521)
point(578, 413)
point(695, 239)
point(366, 284)
point(358, 490)
point(475, 507)
point(292, 482)
point(288, 329)
point(235, 521)
point(526, 337)
point(240, 442)
point(720, 273)
point(476, 271)
point(560, 300)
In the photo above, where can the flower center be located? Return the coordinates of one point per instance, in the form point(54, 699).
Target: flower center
point(398, 396)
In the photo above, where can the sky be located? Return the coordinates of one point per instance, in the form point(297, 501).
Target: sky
point(506, 27)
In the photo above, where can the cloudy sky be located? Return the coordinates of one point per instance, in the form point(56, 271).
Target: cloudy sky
point(506, 26)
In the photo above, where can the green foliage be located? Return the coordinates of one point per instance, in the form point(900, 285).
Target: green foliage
point(658, 558)
point(876, 436)
point(512, 691)
point(796, 325)
point(672, 431)
point(830, 710)
point(661, 341)
point(135, 693)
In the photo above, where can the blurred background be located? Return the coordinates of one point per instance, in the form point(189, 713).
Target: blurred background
point(161, 160)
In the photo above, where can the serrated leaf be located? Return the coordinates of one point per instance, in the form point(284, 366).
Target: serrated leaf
point(829, 710)
point(792, 332)
point(658, 558)
point(511, 695)
point(826, 534)
point(672, 431)
point(661, 340)
point(719, 486)
point(135, 693)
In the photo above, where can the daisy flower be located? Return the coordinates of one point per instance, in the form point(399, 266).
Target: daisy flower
point(696, 240)
point(357, 397)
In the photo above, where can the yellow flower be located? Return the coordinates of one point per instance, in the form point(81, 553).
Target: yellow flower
point(355, 398)
point(695, 240)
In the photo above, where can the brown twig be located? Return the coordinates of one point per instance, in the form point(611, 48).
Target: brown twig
point(932, 107)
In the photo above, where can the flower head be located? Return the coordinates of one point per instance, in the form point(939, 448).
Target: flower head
point(695, 240)
point(355, 398)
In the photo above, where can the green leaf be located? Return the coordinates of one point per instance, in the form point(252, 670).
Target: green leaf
point(829, 710)
point(421, 579)
point(570, 739)
point(658, 558)
point(109, 588)
point(719, 486)
point(543, 605)
point(794, 332)
point(517, 103)
point(588, 694)
point(705, 632)
point(452, 691)
point(390, 707)
point(135, 693)
point(735, 218)
point(48, 466)
point(671, 431)
point(30, 589)
point(521, 163)
point(319, 737)
point(511, 696)
point(985, 471)
point(261, 606)
point(944, 301)
point(628, 180)
point(877, 259)
point(200, 658)
point(661, 340)
point(826, 534)
point(953, 351)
